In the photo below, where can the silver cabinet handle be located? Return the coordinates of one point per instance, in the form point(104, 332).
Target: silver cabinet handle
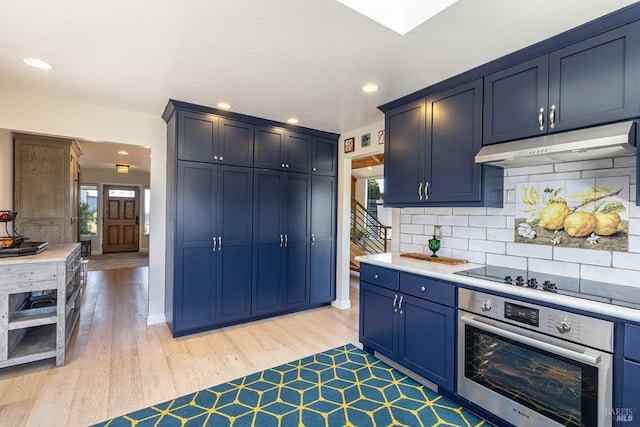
point(395, 300)
point(400, 303)
point(286, 240)
point(214, 244)
point(541, 119)
point(287, 165)
point(423, 288)
point(552, 117)
point(219, 243)
point(375, 276)
point(426, 191)
point(282, 165)
point(221, 158)
point(313, 239)
point(215, 157)
point(281, 240)
point(420, 191)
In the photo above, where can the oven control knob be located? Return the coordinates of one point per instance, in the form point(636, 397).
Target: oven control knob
point(485, 306)
point(563, 326)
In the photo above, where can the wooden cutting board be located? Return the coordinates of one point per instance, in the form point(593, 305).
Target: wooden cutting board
point(440, 259)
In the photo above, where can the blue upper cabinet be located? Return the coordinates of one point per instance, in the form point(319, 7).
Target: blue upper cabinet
point(282, 149)
point(587, 83)
point(431, 148)
point(324, 156)
point(208, 138)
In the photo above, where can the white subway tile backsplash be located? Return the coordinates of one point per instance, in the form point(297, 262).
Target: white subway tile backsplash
point(496, 221)
point(529, 250)
point(554, 267)
point(412, 229)
point(618, 276)
point(487, 246)
point(486, 235)
point(507, 261)
point(583, 256)
point(470, 232)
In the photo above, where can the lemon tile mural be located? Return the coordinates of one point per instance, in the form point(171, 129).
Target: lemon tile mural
point(581, 213)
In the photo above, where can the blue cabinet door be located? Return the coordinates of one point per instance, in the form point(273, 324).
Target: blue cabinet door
point(427, 340)
point(454, 136)
point(404, 155)
point(196, 265)
point(596, 81)
point(512, 101)
point(379, 319)
point(297, 239)
point(269, 145)
point(235, 142)
point(235, 225)
point(197, 136)
point(323, 243)
point(324, 156)
point(630, 394)
point(297, 152)
point(268, 242)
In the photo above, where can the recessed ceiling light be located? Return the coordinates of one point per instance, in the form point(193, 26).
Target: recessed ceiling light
point(224, 105)
point(38, 63)
point(370, 87)
point(293, 120)
point(122, 152)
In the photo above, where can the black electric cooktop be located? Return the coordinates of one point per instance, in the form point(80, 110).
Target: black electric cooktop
point(591, 290)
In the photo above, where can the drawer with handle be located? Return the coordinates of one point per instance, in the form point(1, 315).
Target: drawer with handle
point(379, 276)
point(428, 288)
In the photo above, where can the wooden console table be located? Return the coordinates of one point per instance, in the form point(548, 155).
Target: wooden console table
point(39, 304)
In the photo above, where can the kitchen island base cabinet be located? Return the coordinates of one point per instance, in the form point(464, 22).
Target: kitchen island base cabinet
point(418, 332)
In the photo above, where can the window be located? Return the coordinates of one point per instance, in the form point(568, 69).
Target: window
point(88, 210)
point(147, 209)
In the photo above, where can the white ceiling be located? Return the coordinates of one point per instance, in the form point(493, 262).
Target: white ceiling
point(273, 59)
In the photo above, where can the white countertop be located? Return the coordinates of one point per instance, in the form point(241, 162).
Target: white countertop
point(53, 252)
point(445, 272)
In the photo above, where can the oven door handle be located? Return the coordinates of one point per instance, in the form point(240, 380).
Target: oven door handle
point(592, 360)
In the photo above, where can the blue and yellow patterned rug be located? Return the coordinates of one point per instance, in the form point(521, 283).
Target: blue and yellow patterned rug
point(344, 386)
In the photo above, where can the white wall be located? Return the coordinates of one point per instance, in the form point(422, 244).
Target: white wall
point(344, 203)
point(486, 235)
point(60, 117)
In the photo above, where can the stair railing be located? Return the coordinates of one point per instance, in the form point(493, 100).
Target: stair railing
point(367, 231)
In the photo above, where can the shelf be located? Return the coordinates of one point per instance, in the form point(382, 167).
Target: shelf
point(33, 317)
point(36, 344)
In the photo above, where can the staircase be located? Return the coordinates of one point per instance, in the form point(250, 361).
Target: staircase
point(368, 234)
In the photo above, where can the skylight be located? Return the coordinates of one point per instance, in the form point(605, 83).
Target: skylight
point(400, 16)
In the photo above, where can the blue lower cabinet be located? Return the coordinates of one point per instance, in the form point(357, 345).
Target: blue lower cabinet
point(415, 332)
point(629, 414)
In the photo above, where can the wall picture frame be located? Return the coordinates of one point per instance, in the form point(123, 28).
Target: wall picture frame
point(365, 140)
point(349, 145)
point(381, 135)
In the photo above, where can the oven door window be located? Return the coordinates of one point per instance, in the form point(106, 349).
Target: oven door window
point(561, 389)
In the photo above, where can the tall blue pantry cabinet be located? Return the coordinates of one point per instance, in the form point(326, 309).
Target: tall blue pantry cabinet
point(251, 218)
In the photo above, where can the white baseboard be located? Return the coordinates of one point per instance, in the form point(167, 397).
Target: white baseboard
point(341, 304)
point(154, 319)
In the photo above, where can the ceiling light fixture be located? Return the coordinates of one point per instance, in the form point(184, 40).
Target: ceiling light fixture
point(370, 87)
point(293, 121)
point(400, 16)
point(224, 105)
point(38, 63)
point(123, 152)
point(122, 168)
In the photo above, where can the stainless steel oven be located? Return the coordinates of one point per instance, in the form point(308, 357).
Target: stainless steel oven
point(534, 365)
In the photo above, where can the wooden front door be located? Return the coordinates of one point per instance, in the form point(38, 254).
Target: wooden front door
point(121, 219)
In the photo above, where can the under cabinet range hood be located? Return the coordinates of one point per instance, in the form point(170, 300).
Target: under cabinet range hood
point(599, 142)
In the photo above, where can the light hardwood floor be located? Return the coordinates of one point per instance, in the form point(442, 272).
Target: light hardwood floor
point(117, 364)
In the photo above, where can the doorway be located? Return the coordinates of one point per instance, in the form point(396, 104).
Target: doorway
point(121, 224)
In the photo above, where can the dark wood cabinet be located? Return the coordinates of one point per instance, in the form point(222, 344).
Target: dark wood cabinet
point(430, 152)
point(587, 83)
point(208, 138)
point(411, 320)
point(282, 149)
